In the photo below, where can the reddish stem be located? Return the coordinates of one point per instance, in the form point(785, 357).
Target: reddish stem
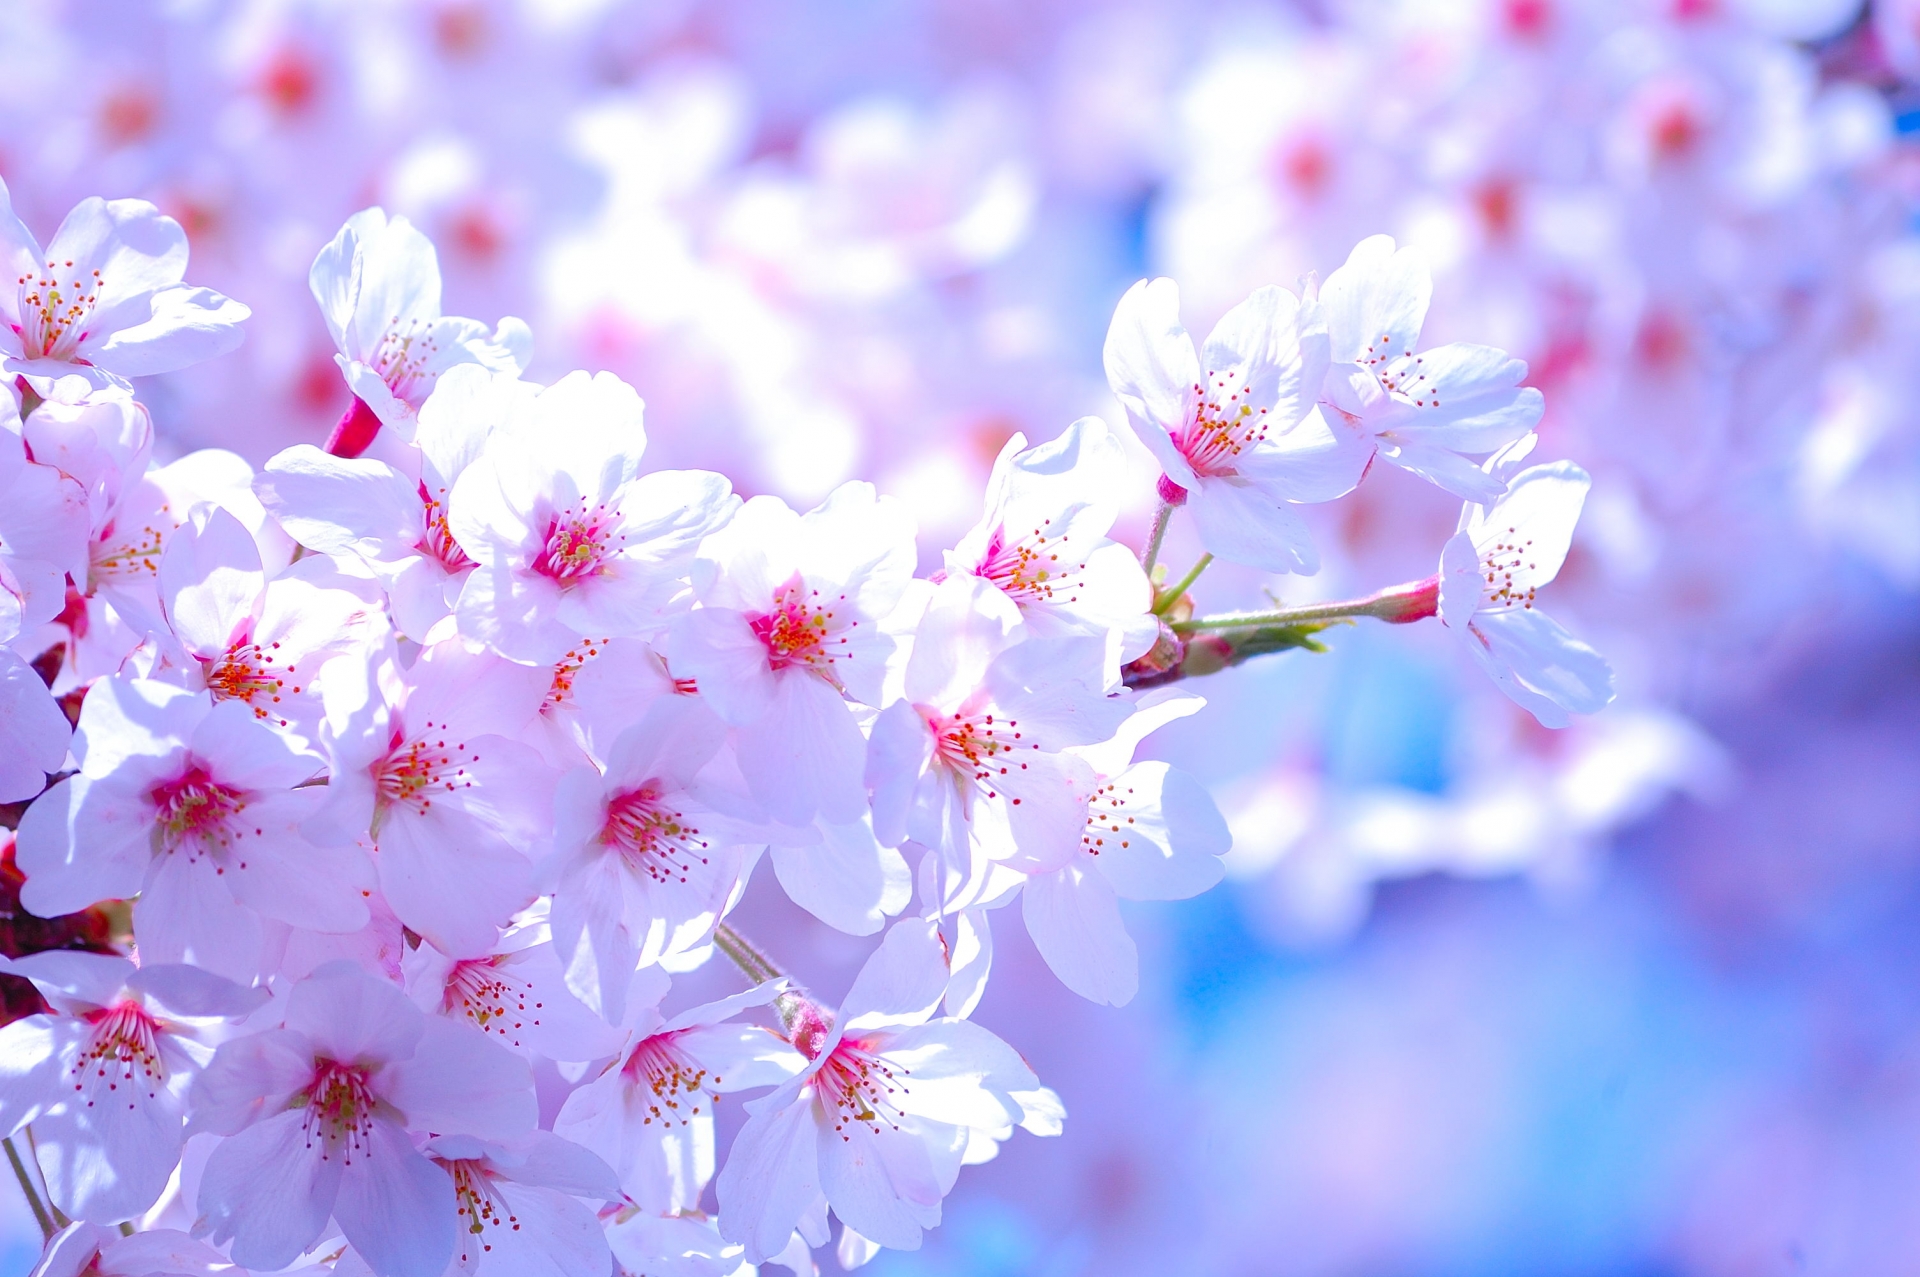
point(353, 433)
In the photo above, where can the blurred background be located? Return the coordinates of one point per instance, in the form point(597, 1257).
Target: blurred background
point(1637, 997)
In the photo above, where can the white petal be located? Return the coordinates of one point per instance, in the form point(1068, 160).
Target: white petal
point(1243, 524)
point(901, 983)
point(269, 1191)
point(882, 1180)
point(772, 1174)
point(1534, 521)
point(1150, 360)
point(458, 1081)
point(1375, 304)
point(1074, 919)
point(1158, 834)
point(847, 880)
point(187, 325)
point(805, 756)
point(396, 1207)
point(34, 733)
point(1540, 665)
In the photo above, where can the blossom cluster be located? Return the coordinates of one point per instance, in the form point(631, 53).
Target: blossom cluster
point(1695, 222)
point(412, 770)
point(1688, 216)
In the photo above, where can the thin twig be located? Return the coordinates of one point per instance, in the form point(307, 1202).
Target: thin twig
point(40, 1214)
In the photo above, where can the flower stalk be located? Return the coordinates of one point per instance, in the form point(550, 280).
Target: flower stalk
point(1396, 605)
point(1171, 595)
point(41, 1214)
point(1156, 534)
point(755, 964)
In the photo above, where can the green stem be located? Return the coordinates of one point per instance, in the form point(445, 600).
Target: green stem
point(1155, 535)
point(749, 959)
point(1397, 604)
point(40, 1215)
point(1171, 595)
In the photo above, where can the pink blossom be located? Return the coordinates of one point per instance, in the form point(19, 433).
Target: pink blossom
point(196, 807)
point(104, 298)
point(103, 1075)
point(318, 1117)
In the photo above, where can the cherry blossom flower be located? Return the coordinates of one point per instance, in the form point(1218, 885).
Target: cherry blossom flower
point(123, 560)
point(318, 1116)
point(395, 522)
point(1043, 540)
point(378, 286)
point(1421, 411)
point(1152, 833)
point(569, 538)
point(193, 805)
point(518, 1207)
point(648, 855)
point(517, 995)
point(1235, 427)
point(104, 298)
point(257, 641)
point(970, 757)
point(88, 1250)
point(882, 1116)
point(425, 763)
point(103, 1074)
point(1490, 573)
point(788, 631)
point(99, 436)
point(598, 689)
point(650, 1112)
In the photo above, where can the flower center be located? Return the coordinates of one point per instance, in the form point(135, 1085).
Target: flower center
point(664, 1069)
point(481, 1207)
point(1405, 377)
point(495, 1000)
point(191, 813)
point(436, 541)
point(114, 558)
point(245, 672)
point(1026, 569)
point(560, 690)
point(121, 1057)
point(1498, 563)
point(1107, 819)
point(1224, 425)
point(800, 630)
point(976, 748)
point(651, 837)
point(578, 544)
point(53, 315)
point(413, 774)
point(402, 357)
point(340, 1106)
point(860, 1087)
